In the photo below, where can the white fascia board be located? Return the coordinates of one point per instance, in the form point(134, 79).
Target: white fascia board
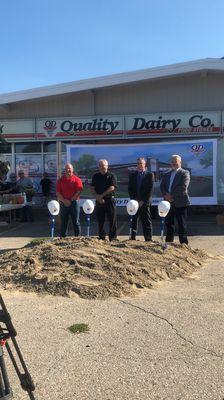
point(113, 80)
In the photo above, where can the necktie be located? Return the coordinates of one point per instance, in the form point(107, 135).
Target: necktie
point(139, 180)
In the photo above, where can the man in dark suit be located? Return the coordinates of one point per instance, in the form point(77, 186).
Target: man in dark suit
point(174, 187)
point(140, 188)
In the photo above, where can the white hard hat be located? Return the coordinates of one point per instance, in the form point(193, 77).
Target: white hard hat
point(53, 207)
point(163, 208)
point(132, 207)
point(88, 206)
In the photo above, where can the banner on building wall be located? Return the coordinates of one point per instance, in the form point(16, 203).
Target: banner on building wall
point(115, 127)
point(96, 126)
point(173, 124)
point(17, 128)
point(199, 157)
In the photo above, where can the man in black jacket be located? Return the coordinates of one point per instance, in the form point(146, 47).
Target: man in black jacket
point(140, 188)
point(103, 186)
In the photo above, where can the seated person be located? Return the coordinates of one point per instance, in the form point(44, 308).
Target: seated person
point(12, 183)
point(25, 185)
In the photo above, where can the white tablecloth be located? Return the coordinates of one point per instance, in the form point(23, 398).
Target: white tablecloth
point(9, 207)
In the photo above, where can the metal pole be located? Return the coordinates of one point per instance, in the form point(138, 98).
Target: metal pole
point(5, 389)
point(162, 221)
point(52, 227)
point(130, 230)
point(87, 224)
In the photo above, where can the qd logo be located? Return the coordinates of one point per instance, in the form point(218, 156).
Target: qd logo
point(50, 127)
point(197, 149)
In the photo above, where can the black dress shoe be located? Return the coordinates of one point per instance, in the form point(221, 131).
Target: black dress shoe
point(169, 240)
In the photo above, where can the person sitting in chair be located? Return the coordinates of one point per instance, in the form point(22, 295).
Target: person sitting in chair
point(25, 185)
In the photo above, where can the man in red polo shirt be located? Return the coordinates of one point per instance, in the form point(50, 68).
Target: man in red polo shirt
point(68, 190)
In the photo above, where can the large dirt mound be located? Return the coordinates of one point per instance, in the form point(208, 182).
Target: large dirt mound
point(93, 268)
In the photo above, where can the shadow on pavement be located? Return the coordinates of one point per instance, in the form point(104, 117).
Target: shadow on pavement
point(198, 225)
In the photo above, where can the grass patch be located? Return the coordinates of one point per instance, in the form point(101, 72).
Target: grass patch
point(78, 328)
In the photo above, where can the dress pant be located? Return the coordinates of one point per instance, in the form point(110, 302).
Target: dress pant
point(108, 208)
point(145, 216)
point(73, 211)
point(46, 199)
point(181, 215)
point(26, 214)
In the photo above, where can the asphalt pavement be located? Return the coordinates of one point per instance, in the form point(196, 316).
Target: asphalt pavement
point(167, 343)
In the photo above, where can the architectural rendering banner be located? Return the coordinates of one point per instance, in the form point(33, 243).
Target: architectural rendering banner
point(198, 156)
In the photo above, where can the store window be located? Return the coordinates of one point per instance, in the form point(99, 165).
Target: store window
point(31, 165)
point(49, 147)
point(50, 163)
point(5, 148)
point(63, 147)
point(31, 147)
point(64, 154)
point(29, 159)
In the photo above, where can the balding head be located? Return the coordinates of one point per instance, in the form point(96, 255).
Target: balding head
point(69, 170)
point(175, 161)
point(103, 166)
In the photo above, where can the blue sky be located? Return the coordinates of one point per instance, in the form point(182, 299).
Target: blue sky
point(45, 42)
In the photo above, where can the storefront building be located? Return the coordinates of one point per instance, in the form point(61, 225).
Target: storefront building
point(154, 113)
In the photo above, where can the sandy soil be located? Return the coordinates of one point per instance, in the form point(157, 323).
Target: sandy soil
point(95, 269)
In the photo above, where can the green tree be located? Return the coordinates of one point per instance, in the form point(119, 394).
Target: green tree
point(86, 163)
point(207, 160)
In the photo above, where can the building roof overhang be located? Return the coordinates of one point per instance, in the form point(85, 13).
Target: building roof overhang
point(168, 71)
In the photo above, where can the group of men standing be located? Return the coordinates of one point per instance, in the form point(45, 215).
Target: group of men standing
point(173, 186)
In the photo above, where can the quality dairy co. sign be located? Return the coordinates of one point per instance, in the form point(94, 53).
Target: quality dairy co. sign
point(79, 127)
point(134, 125)
point(99, 127)
point(184, 123)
